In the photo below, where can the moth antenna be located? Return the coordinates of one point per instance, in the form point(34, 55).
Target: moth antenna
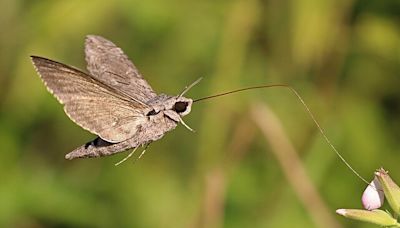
point(127, 157)
point(187, 88)
point(307, 110)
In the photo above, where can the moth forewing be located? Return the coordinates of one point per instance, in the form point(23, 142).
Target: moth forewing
point(89, 103)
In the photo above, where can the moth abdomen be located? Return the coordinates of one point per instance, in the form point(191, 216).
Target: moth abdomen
point(99, 148)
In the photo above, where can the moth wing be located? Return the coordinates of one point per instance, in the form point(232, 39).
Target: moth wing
point(90, 104)
point(108, 64)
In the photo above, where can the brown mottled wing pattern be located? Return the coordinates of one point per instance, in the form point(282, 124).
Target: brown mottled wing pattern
point(91, 104)
point(108, 64)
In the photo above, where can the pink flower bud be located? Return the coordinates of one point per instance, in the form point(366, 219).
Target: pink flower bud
point(373, 196)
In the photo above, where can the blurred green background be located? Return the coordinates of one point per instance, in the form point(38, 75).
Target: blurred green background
point(342, 56)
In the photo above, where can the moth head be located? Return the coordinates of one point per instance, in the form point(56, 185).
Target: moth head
point(183, 105)
point(177, 107)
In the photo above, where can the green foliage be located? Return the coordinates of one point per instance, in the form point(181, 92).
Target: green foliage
point(342, 56)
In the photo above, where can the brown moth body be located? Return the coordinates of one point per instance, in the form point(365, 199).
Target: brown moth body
point(113, 101)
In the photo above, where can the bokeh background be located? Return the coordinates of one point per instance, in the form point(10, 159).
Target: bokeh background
point(256, 158)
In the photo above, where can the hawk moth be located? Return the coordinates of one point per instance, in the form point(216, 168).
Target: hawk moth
point(112, 101)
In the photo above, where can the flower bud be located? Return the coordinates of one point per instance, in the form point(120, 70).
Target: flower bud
point(373, 196)
point(378, 217)
point(391, 190)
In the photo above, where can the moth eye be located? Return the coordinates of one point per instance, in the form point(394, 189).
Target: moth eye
point(152, 113)
point(180, 106)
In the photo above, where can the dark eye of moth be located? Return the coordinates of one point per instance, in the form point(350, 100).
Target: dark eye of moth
point(152, 113)
point(180, 106)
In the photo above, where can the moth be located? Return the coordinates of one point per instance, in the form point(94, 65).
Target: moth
point(112, 101)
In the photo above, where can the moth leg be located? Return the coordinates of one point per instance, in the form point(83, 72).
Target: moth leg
point(127, 157)
point(145, 148)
